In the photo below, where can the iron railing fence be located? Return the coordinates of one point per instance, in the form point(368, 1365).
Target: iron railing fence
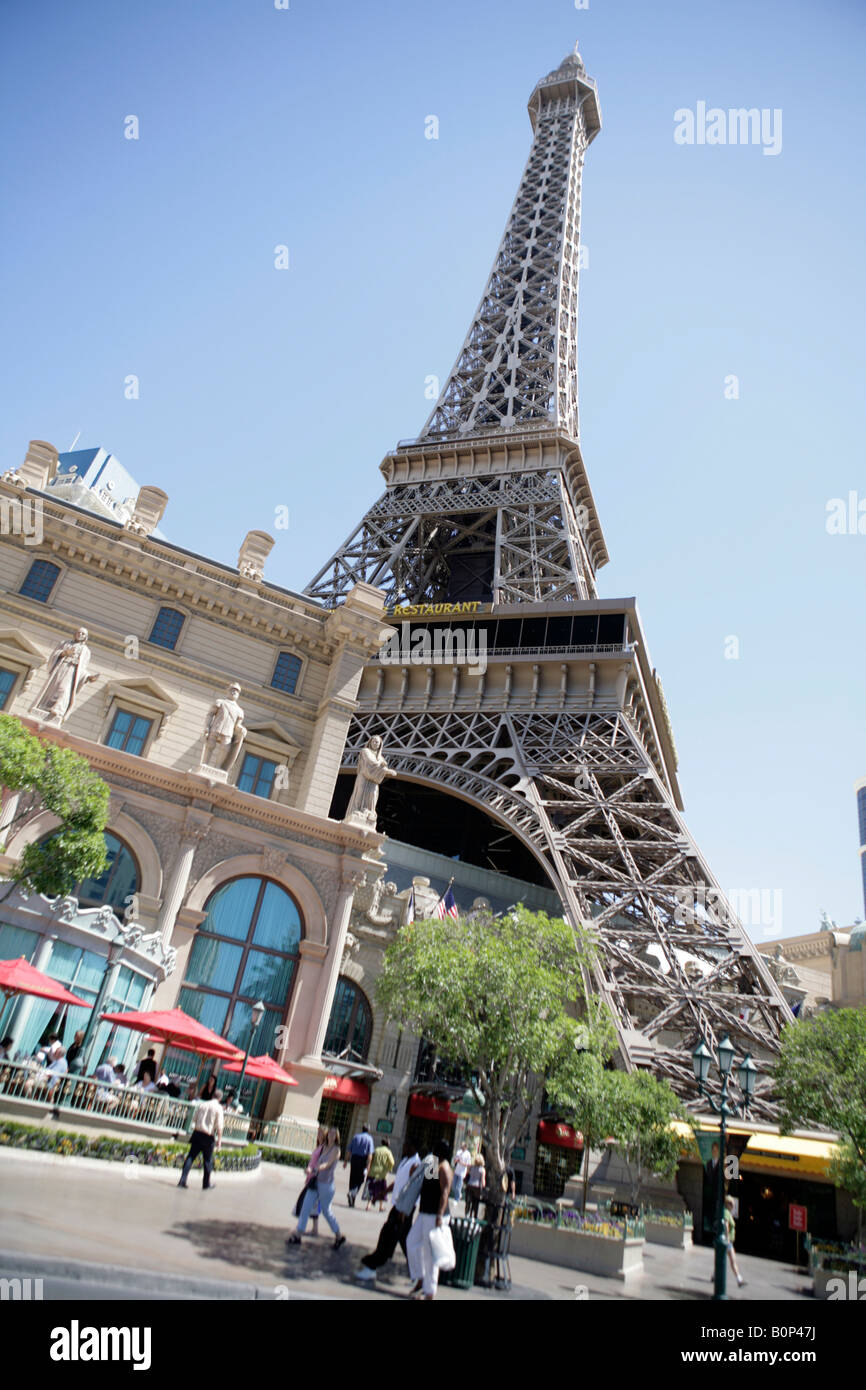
point(85, 1095)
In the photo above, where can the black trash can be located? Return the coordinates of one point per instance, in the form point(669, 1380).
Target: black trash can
point(466, 1234)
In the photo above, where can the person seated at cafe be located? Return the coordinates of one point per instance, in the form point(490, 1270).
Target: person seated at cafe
point(75, 1046)
point(146, 1072)
point(57, 1067)
point(105, 1073)
point(6, 1048)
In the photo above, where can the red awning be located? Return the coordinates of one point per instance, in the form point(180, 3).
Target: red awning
point(559, 1136)
point(431, 1108)
point(342, 1088)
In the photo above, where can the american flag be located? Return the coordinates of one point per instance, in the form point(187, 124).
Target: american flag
point(447, 906)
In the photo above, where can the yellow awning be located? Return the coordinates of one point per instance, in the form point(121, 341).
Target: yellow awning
point(783, 1153)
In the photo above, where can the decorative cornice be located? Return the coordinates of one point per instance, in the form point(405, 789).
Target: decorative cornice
point(281, 820)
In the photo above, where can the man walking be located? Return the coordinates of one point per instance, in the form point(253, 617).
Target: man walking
point(207, 1135)
point(359, 1154)
point(397, 1227)
point(462, 1164)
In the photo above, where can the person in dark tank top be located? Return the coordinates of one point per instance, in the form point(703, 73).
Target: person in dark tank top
point(432, 1212)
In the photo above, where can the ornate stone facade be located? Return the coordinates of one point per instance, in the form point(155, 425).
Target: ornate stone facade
point(190, 658)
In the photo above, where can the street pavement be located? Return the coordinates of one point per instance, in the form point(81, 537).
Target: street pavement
point(102, 1231)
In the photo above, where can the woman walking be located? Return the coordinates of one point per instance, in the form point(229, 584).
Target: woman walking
point(432, 1212)
point(323, 1192)
point(730, 1236)
point(381, 1165)
point(474, 1184)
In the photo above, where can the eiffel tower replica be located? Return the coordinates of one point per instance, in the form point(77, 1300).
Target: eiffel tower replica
point(488, 522)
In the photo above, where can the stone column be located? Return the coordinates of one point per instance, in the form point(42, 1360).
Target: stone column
point(331, 971)
point(195, 829)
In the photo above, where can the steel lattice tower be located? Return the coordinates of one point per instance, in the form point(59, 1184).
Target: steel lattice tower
point(488, 520)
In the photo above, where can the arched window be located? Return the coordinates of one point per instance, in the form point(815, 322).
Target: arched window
point(167, 628)
point(40, 580)
point(246, 949)
point(114, 887)
point(350, 1027)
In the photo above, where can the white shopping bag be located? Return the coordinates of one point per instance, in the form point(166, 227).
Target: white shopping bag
point(442, 1246)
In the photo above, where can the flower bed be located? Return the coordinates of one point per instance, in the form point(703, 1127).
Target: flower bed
point(671, 1228)
point(836, 1269)
point(594, 1244)
point(118, 1149)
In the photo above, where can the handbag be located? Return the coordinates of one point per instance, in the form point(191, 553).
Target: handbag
point(442, 1245)
point(311, 1185)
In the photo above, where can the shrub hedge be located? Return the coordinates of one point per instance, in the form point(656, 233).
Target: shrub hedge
point(118, 1149)
point(292, 1160)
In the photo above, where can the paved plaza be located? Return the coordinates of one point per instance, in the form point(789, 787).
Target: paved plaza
point(100, 1230)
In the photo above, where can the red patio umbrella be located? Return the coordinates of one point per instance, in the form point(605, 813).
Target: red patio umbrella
point(264, 1069)
point(176, 1029)
point(19, 977)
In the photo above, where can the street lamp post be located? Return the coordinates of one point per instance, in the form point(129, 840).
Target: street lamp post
point(257, 1013)
point(747, 1074)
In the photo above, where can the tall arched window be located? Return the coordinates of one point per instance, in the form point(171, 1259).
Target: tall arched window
point(116, 885)
point(350, 1027)
point(246, 949)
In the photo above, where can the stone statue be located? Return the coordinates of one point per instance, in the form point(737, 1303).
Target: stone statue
point(68, 668)
point(224, 731)
point(372, 771)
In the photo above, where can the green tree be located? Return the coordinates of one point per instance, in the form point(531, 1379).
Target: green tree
point(644, 1131)
point(508, 999)
point(820, 1079)
point(587, 1097)
point(634, 1109)
point(60, 781)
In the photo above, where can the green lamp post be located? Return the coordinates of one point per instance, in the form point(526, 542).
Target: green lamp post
point(747, 1075)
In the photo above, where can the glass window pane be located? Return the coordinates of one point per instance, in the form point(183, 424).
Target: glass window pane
point(264, 1038)
point(209, 1009)
point(213, 963)
point(266, 977)
point(40, 580)
point(166, 629)
point(7, 680)
point(279, 922)
point(17, 941)
point(230, 909)
point(136, 992)
point(286, 672)
point(63, 961)
point(90, 972)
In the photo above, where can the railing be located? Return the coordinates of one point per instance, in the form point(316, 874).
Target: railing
point(289, 1134)
point(85, 1095)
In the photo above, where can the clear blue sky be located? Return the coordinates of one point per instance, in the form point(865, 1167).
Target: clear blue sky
point(261, 388)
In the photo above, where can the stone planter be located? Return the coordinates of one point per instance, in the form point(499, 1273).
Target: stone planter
point(679, 1237)
point(615, 1258)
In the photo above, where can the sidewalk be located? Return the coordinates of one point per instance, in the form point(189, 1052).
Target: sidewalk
point(125, 1228)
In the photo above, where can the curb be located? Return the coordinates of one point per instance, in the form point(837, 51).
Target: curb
point(145, 1281)
point(131, 1168)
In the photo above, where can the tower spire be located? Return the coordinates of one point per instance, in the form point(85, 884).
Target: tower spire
point(518, 363)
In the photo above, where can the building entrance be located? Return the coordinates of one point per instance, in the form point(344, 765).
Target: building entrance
point(762, 1221)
